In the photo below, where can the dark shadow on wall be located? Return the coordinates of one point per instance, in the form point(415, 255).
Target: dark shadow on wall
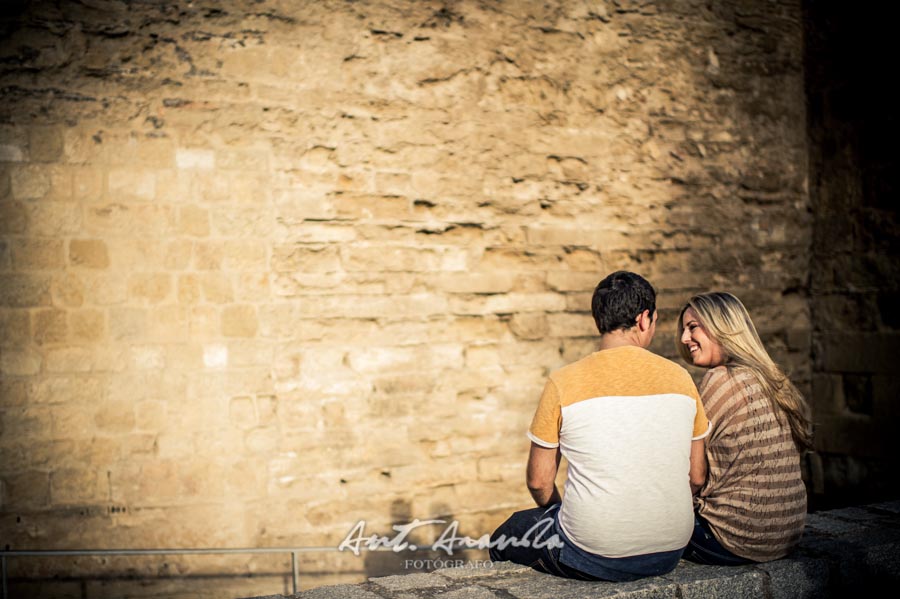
point(853, 128)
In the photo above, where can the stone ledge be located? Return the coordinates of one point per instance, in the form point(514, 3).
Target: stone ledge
point(842, 551)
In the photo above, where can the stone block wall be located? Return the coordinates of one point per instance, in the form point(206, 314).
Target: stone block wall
point(271, 268)
point(855, 271)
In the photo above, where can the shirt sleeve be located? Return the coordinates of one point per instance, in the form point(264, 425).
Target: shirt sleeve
point(547, 418)
point(702, 425)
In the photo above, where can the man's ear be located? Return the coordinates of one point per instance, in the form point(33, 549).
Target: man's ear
point(644, 320)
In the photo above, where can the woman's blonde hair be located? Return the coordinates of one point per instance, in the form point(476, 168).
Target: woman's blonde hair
point(727, 322)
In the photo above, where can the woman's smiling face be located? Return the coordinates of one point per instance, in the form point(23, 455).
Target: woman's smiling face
point(704, 350)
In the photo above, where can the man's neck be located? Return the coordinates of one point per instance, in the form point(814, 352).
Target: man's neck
point(619, 339)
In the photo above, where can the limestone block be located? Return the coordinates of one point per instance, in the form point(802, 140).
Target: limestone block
point(24, 290)
point(245, 188)
point(246, 478)
point(73, 419)
point(53, 219)
point(249, 381)
point(193, 221)
point(562, 280)
point(365, 207)
point(115, 416)
point(394, 359)
point(175, 186)
point(155, 152)
point(242, 412)
point(254, 156)
point(80, 145)
point(205, 321)
point(375, 258)
point(243, 353)
point(508, 303)
point(529, 326)
point(11, 153)
point(859, 352)
point(14, 392)
point(311, 232)
point(294, 206)
point(188, 289)
point(49, 326)
point(127, 323)
point(568, 325)
point(501, 469)
point(363, 306)
point(147, 357)
point(208, 255)
point(195, 158)
point(252, 287)
point(13, 217)
point(15, 328)
point(104, 289)
point(215, 356)
point(855, 435)
point(245, 254)
point(30, 423)
point(144, 220)
point(23, 362)
point(261, 441)
point(68, 290)
point(181, 354)
point(136, 253)
point(178, 254)
point(30, 182)
point(199, 477)
point(76, 389)
point(150, 287)
point(123, 184)
point(88, 253)
point(585, 260)
point(37, 254)
point(239, 321)
point(476, 282)
point(216, 287)
point(256, 220)
point(304, 258)
point(70, 359)
point(26, 490)
point(45, 144)
point(76, 485)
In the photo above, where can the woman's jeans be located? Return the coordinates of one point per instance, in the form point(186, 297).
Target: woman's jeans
point(534, 538)
point(704, 548)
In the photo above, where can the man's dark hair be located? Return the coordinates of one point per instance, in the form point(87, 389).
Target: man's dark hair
point(619, 299)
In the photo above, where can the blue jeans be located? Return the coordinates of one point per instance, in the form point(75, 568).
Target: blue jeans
point(704, 548)
point(534, 538)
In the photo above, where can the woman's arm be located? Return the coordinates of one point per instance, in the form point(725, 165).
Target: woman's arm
point(698, 465)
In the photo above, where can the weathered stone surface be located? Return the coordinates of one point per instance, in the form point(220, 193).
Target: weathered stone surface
point(545, 586)
point(798, 578)
point(337, 592)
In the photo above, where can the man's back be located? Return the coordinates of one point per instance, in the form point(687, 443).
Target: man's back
point(624, 419)
point(632, 426)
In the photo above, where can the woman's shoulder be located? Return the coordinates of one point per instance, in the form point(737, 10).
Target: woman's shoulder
point(726, 383)
point(714, 377)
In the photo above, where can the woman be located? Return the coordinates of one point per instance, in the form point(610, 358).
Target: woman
point(753, 505)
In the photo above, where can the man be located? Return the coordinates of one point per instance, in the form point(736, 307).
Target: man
point(631, 425)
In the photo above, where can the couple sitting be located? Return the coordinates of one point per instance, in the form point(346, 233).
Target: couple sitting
point(641, 441)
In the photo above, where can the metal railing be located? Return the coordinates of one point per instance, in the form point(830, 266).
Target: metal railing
point(294, 551)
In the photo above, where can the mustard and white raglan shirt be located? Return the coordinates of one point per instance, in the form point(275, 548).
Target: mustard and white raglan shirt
point(624, 418)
